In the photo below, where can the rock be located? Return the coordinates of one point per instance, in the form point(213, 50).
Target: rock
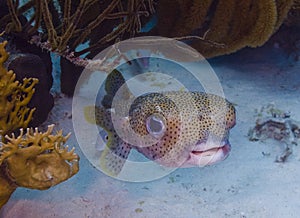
point(22, 46)
point(31, 65)
point(70, 74)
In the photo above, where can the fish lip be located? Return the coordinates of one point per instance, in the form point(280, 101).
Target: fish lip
point(225, 149)
point(204, 157)
point(202, 146)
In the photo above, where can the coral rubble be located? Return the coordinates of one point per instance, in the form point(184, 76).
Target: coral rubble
point(272, 123)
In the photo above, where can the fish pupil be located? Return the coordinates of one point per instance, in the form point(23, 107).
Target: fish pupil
point(155, 125)
point(103, 135)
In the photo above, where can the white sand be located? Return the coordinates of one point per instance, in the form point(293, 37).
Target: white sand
point(247, 184)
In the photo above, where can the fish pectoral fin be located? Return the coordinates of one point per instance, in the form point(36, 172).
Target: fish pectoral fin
point(113, 159)
point(99, 116)
point(89, 114)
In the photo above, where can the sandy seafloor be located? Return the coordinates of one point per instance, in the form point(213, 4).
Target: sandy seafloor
point(246, 184)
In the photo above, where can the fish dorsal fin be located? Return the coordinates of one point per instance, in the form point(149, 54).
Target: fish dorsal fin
point(114, 156)
point(113, 83)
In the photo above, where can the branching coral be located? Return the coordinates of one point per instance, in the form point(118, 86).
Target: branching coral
point(35, 160)
point(65, 24)
point(14, 96)
point(235, 24)
point(62, 25)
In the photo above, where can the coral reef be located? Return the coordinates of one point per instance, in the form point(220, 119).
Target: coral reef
point(212, 27)
point(62, 25)
point(234, 24)
point(35, 160)
point(32, 66)
point(14, 97)
point(218, 27)
point(65, 24)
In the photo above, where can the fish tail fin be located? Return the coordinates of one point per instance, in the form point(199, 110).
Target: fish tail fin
point(113, 159)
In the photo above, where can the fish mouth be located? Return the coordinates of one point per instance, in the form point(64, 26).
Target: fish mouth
point(203, 155)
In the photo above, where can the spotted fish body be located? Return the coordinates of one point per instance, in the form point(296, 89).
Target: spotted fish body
point(191, 118)
point(184, 129)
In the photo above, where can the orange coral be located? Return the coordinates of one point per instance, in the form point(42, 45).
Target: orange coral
point(14, 97)
point(35, 160)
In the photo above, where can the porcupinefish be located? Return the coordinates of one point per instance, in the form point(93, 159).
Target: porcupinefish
point(174, 128)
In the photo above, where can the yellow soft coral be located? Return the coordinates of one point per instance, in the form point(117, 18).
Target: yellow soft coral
point(35, 160)
point(14, 97)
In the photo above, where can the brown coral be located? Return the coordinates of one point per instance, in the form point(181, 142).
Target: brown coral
point(65, 24)
point(235, 24)
point(35, 160)
point(14, 97)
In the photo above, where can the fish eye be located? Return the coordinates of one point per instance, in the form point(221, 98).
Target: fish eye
point(103, 134)
point(155, 125)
